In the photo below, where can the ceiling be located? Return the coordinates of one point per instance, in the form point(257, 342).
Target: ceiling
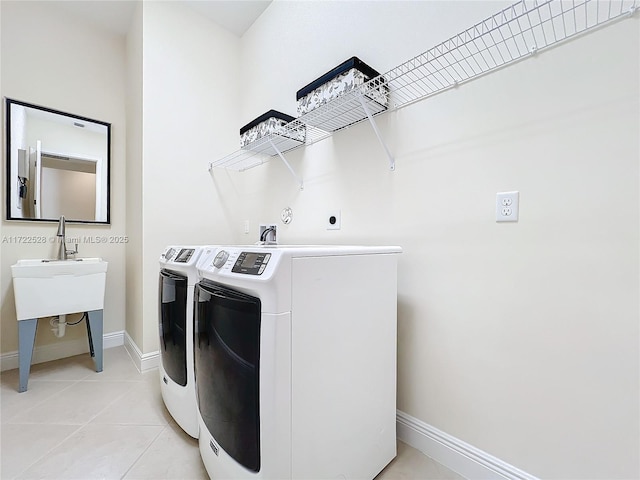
point(234, 15)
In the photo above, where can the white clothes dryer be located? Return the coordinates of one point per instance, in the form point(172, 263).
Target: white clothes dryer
point(178, 276)
point(295, 361)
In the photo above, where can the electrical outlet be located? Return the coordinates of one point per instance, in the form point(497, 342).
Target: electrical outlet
point(507, 204)
point(246, 227)
point(333, 220)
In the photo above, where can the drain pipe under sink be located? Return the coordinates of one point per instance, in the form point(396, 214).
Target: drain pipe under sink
point(58, 325)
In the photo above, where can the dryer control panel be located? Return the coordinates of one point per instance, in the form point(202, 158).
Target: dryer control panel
point(184, 255)
point(251, 263)
point(180, 255)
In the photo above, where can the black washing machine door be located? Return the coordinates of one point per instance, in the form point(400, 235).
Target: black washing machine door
point(173, 325)
point(227, 367)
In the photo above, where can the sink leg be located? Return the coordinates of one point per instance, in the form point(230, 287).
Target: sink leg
point(89, 337)
point(26, 339)
point(94, 331)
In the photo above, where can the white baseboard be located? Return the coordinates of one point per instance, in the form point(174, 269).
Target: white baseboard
point(453, 453)
point(114, 339)
point(60, 349)
point(142, 361)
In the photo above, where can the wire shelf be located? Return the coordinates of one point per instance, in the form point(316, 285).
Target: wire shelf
point(261, 151)
point(519, 31)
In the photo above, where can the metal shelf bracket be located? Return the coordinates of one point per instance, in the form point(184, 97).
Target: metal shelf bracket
point(392, 162)
point(284, 160)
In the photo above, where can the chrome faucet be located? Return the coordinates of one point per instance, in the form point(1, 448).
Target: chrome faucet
point(62, 249)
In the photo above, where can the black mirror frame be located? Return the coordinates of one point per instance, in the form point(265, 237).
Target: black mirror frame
point(8, 103)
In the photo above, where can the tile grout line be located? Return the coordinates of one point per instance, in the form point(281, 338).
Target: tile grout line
point(59, 444)
point(90, 378)
point(117, 398)
point(80, 427)
point(39, 404)
point(144, 452)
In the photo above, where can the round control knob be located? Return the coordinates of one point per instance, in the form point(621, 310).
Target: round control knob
point(221, 259)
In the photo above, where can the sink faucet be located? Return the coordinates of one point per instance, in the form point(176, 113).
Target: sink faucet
point(62, 249)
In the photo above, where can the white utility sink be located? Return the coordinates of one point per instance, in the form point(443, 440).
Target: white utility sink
point(44, 288)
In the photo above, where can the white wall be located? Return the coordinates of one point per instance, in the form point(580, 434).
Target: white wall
point(88, 65)
point(61, 190)
point(520, 339)
point(189, 113)
point(133, 265)
point(3, 136)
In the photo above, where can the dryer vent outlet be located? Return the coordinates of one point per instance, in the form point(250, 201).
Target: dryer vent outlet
point(268, 234)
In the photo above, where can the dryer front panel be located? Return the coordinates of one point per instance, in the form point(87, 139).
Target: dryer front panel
point(173, 325)
point(227, 369)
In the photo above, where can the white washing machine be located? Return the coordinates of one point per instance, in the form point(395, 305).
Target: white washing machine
point(178, 276)
point(295, 361)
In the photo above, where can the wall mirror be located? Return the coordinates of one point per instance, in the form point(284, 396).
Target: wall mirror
point(57, 164)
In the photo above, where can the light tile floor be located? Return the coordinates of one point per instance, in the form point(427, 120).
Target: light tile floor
point(74, 423)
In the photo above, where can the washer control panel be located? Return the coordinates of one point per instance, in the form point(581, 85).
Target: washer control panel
point(251, 263)
point(221, 259)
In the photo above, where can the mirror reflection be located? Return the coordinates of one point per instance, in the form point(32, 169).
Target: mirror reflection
point(57, 164)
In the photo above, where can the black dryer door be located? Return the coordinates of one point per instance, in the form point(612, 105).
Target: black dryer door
point(173, 325)
point(227, 369)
